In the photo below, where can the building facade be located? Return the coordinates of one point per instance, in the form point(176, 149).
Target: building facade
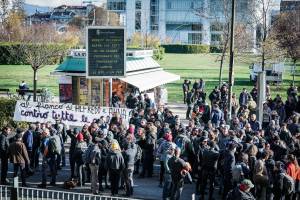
point(180, 21)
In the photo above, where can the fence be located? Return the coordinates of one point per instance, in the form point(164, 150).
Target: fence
point(22, 193)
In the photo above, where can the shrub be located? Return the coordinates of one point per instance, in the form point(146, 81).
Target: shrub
point(186, 48)
point(158, 54)
point(215, 49)
point(7, 109)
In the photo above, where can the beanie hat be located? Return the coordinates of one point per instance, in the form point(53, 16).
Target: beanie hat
point(168, 137)
point(115, 146)
point(80, 137)
point(131, 129)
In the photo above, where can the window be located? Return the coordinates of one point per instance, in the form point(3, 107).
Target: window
point(169, 5)
point(120, 5)
point(195, 38)
point(138, 5)
point(138, 20)
point(196, 27)
point(216, 27)
point(192, 5)
point(216, 37)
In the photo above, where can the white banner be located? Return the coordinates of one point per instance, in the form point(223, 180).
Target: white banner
point(75, 115)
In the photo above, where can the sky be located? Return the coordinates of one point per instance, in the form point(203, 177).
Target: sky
point(52, 3)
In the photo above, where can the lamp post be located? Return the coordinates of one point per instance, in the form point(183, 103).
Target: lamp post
point(231, 61)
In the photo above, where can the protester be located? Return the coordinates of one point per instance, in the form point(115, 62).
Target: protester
point(179, 169)
point(115, 165)
point(19, 157)
point(247, 159)
point(4, 143)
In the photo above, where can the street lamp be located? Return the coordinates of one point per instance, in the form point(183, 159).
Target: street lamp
point(231, 61)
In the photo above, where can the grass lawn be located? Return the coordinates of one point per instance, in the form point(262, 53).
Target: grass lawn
point(188, 66)
point(196, 66)
point(12, 75)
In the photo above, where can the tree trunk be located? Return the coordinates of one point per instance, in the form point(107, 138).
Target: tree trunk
point(294, 70)
point(34, 84)
point(221, 69)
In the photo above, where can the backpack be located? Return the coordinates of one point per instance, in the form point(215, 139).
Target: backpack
point(139, 153)
point(87, 156)
point(215, 116)
point(53, 146)
point(288, 184)
point(181, 143)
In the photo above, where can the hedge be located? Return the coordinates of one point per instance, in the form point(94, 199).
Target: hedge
point(7, 109)
point(186, 48)
point(215, 49)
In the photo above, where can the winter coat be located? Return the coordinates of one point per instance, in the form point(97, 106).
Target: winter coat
point(28, 139)
point(115, 161)
point(129, 155)
point(210, 158)
point(17, 153)
point(229, 163)
point(244, 99)
point(4, 143)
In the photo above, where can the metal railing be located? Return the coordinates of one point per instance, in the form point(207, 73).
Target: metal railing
point(25, 193)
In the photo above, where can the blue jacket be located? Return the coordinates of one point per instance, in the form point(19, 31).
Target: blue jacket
point(28, 139)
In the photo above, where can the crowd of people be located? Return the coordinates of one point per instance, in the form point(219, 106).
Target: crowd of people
point(246, 159)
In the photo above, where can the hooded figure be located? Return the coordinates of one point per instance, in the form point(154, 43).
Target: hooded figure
point(115, 164)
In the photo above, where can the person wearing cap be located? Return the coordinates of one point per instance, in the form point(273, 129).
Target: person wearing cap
point(115, 165)
point(242, 191)
point(19, 157)
point(162, 153)
point(78, 157)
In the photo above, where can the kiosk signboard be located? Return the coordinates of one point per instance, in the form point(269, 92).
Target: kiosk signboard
point(105, 52)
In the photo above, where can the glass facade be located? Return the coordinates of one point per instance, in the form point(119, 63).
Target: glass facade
point(116, 5)
point(195, 38)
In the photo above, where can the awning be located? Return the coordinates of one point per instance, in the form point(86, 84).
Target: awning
point(149, 80)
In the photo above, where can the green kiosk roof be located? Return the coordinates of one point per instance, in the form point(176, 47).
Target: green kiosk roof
point(77, 64)
point(72, 64)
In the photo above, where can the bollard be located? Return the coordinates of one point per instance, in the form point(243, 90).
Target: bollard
point(15, 189)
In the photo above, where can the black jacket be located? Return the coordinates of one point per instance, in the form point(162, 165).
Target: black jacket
point(210, 159)
point(229, 163)
point(4, 143)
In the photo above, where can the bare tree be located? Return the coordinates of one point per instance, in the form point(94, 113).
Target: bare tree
point(42, 45)
point(4, 4)
point(260, 19)
point(287, 33)
point(219, 14)
point(100, 17)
